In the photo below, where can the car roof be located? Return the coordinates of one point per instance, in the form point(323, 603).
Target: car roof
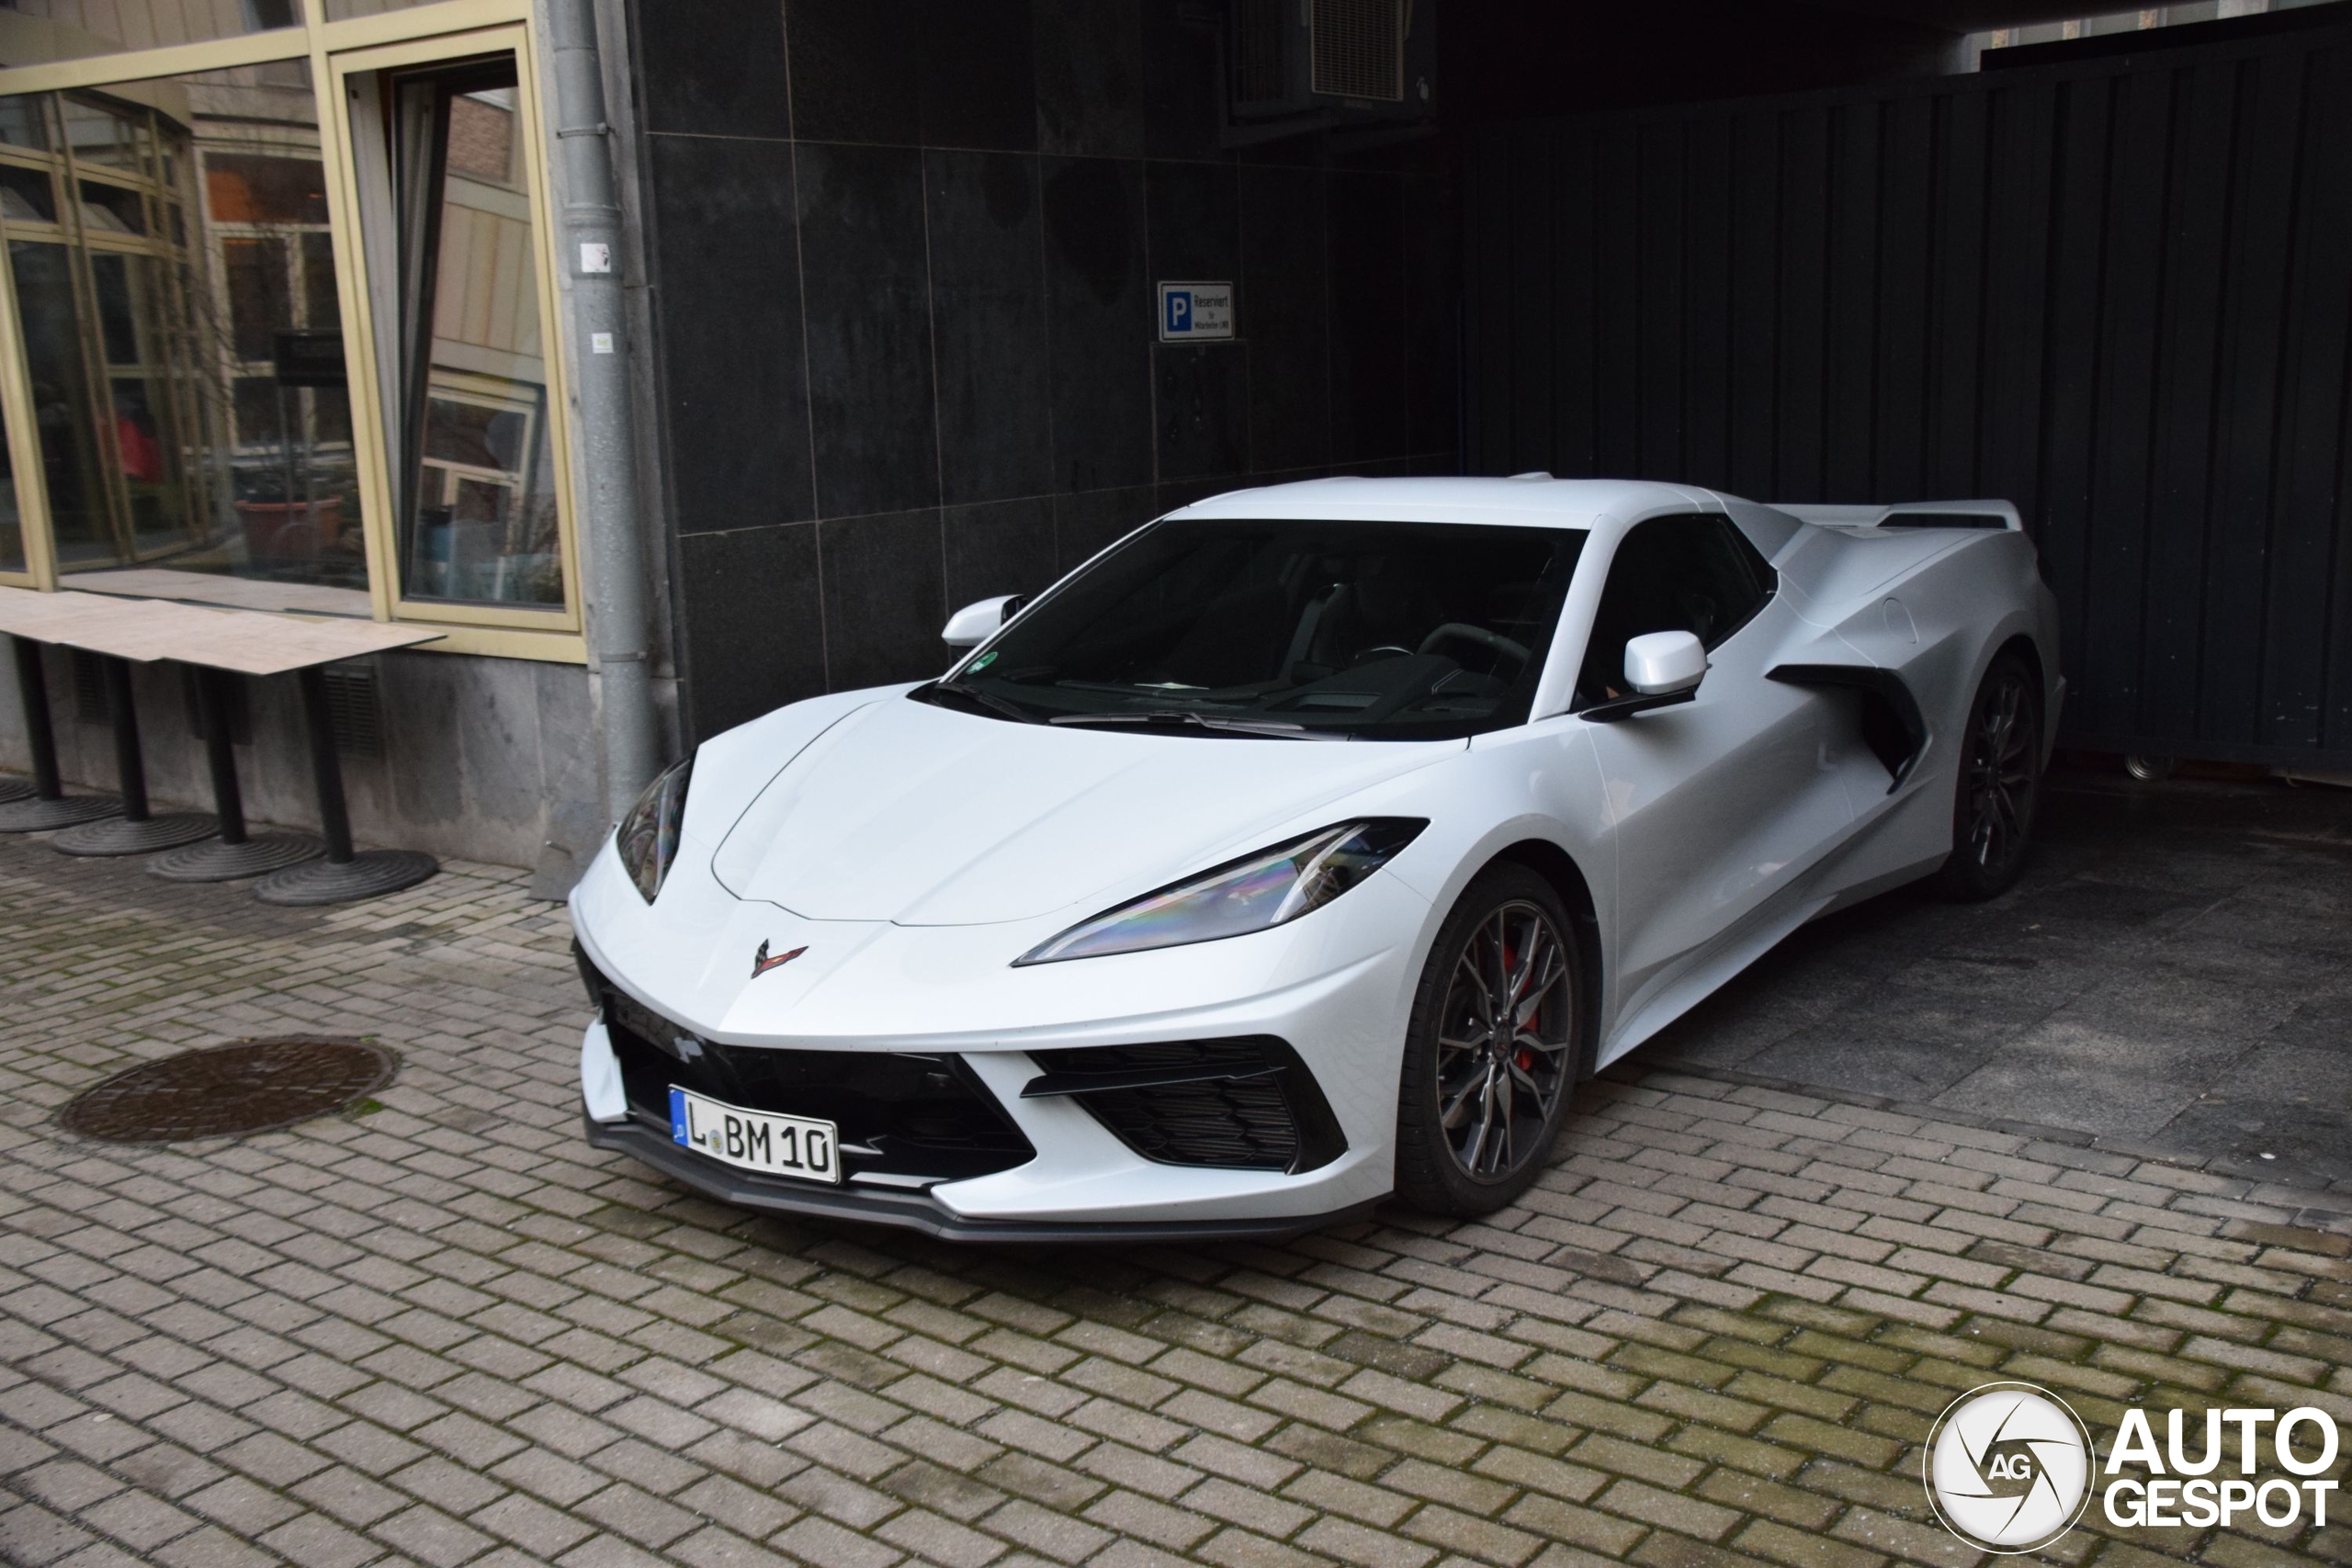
point(1537, 501)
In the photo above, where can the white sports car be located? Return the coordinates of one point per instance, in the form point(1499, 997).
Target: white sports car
point(1304, 848)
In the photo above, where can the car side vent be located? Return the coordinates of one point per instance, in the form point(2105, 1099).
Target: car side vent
point(357, 715)
point(1892, 725)
point(1245, 1104)
point(1359, 49)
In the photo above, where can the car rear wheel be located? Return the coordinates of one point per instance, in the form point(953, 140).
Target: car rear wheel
point(1494, 1047)
point(2000, 783)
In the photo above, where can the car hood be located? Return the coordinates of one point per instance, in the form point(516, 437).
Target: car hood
point(923, 815)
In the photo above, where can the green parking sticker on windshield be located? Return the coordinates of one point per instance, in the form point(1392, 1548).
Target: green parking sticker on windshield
point(982, 663)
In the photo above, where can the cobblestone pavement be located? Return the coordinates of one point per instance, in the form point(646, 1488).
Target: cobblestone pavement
point(442, 1330)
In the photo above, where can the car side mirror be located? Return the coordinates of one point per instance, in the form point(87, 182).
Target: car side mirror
point(975, 624)
point(1662, 668)
point(1658, 663)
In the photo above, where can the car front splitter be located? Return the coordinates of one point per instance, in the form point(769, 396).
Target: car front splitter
point(916, 1212)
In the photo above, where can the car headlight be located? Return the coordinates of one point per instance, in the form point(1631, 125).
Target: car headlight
point(1252, 894)
point(648, 837)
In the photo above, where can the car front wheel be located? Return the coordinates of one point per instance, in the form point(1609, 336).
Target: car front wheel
point(1495, 1044)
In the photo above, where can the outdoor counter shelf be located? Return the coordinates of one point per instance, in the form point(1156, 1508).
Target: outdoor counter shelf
point(215, 643)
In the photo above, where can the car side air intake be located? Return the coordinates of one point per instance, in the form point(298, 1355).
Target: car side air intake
point(1893, 726)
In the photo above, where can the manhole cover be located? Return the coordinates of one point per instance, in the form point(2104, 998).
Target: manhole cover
point(256, 1086)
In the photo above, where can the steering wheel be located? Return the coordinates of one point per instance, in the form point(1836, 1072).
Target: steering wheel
point(1462, 631)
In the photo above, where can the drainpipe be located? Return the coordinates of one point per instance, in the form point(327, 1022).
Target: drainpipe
point(614, 529)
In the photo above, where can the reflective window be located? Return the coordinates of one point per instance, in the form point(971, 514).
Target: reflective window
point(475, 482)
point(176, 279)
point(33, 31)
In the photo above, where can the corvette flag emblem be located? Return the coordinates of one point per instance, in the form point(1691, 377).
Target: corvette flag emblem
point(761, 963)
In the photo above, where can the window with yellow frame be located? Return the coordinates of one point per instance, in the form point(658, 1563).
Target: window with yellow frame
point(275, 324)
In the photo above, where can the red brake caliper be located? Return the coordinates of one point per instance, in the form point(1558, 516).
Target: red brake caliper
point(1522, 1059)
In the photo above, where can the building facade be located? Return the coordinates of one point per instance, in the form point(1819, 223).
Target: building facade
point(284, 327)
point(280, 330)
point(902, 264)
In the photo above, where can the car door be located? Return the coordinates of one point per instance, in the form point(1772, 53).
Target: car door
point(1718, 804)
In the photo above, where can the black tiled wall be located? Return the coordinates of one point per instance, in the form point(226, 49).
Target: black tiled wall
point(903, 256)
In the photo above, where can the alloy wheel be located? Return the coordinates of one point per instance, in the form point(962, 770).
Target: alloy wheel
point(2000, 774)
point(1502, 1047)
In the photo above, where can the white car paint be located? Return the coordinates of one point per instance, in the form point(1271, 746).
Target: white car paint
point(945, 819)
point(916, 852)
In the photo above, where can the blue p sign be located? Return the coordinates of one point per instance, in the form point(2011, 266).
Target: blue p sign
point(1189, 312)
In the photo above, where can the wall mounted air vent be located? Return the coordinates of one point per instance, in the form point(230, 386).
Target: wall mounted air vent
point(1294, 66)
point(91, 702)
point(354, 710)
point(1357, 50)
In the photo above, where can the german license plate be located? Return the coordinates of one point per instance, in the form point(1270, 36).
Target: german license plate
point(755, 1140)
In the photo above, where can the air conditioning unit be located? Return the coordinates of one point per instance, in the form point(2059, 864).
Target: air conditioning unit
point(1299, 65)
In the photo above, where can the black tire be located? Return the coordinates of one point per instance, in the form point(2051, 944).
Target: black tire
point(2000, 785)
point(1507, 919)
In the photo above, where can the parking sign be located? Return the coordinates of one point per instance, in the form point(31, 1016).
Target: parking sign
point(1196, 312)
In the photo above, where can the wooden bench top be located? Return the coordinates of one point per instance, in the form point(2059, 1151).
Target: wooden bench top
point(246, 641)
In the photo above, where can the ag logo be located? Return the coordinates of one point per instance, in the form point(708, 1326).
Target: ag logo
point(2008, 1468)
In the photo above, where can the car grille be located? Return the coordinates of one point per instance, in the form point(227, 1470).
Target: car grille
point(898, 1113)
point(1245, 1104)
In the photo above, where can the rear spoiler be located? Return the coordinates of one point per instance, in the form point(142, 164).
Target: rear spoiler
point(1986, 514)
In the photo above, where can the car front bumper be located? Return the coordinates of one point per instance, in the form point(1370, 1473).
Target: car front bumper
point(1327, 994)
point(1059, 1164)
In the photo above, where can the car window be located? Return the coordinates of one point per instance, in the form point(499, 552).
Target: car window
point(1691, 573)
point(1384, 630)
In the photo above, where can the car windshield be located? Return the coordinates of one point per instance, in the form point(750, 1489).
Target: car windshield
point(1298, 630)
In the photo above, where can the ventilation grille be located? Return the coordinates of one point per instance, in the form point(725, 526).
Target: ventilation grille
point(1359, 48)
point(352, 705)
point(1258, 51)
point(1263, 1111)
point(905, 1115)
point(1233, 1126)
point(90, 702)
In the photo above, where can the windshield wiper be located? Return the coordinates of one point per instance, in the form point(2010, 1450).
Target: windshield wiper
point(985, 699)
point(1267, 729)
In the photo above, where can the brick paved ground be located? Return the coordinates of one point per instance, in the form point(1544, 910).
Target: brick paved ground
point(444, 1331)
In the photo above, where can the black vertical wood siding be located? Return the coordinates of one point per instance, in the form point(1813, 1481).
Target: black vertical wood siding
point(2117, 293)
